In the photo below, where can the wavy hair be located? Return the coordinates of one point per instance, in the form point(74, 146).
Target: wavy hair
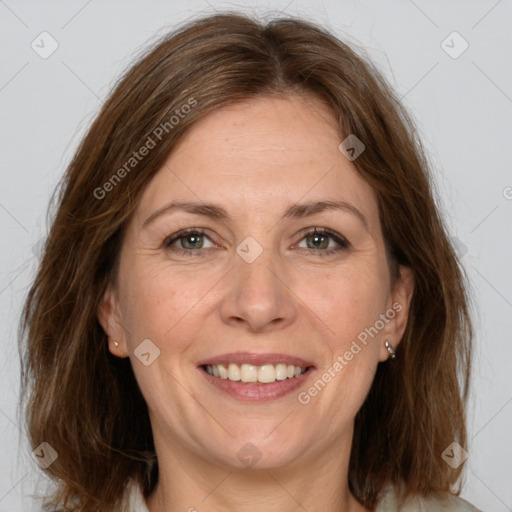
point(86, 403)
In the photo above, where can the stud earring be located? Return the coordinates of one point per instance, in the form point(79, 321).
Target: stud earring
point(116, 343)
point(391, 350)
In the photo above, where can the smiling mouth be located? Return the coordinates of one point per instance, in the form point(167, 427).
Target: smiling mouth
point(252, 374)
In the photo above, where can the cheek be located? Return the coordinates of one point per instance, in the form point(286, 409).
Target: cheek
point(346, 303)
point(163, 304)
point(151, 302)
point(351, 356)
point(353, 308)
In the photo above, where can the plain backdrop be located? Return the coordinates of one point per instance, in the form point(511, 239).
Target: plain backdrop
point(458, 88)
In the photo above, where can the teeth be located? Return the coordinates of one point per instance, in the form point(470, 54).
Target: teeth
point(281, 372)
point(267, 373)
point(234, 372)
point(249, 373)
point(223, 372)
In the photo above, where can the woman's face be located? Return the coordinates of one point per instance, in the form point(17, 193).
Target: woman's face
point(256, 285)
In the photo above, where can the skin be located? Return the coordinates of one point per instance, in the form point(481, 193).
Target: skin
point(254, 159)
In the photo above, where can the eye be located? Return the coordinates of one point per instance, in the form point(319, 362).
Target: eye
point(319, 241)
point(191, 240)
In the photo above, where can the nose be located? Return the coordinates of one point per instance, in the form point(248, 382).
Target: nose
point(259, 294)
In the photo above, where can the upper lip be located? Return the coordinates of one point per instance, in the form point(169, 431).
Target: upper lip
point(240, 358)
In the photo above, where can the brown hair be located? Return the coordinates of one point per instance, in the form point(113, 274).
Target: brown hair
point(86, 403)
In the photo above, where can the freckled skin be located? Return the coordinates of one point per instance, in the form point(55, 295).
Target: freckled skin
point(254, 159)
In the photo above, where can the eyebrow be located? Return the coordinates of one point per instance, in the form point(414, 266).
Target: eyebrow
point(294, 211)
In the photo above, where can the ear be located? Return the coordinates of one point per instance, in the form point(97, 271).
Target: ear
point(109, 317)
point(398, 310)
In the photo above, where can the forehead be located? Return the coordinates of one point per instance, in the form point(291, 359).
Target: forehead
point(257, 156)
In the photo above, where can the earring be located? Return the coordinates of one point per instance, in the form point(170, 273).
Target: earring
point(116, 343)
point(391, 350)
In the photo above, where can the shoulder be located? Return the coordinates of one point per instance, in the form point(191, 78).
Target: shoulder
point(134, 499)
point(388, 503)
point(449, 503)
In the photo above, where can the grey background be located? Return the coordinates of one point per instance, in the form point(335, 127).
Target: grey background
point(462, 106)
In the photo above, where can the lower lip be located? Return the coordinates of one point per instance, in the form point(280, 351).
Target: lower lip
point(257, 392)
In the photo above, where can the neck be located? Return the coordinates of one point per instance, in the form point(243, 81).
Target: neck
point(189, 482)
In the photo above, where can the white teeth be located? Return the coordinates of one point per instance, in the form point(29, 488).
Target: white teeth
point(249, 373)
point(267, 373)
point(223, 371)
point(233, 372)
point(281, 372)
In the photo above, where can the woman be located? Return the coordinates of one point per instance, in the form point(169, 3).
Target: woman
point(248, 300)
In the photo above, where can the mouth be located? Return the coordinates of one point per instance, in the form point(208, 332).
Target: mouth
point(250, 374)
point(256, 377)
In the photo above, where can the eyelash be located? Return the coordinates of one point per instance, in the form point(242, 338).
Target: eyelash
point(342, 242)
